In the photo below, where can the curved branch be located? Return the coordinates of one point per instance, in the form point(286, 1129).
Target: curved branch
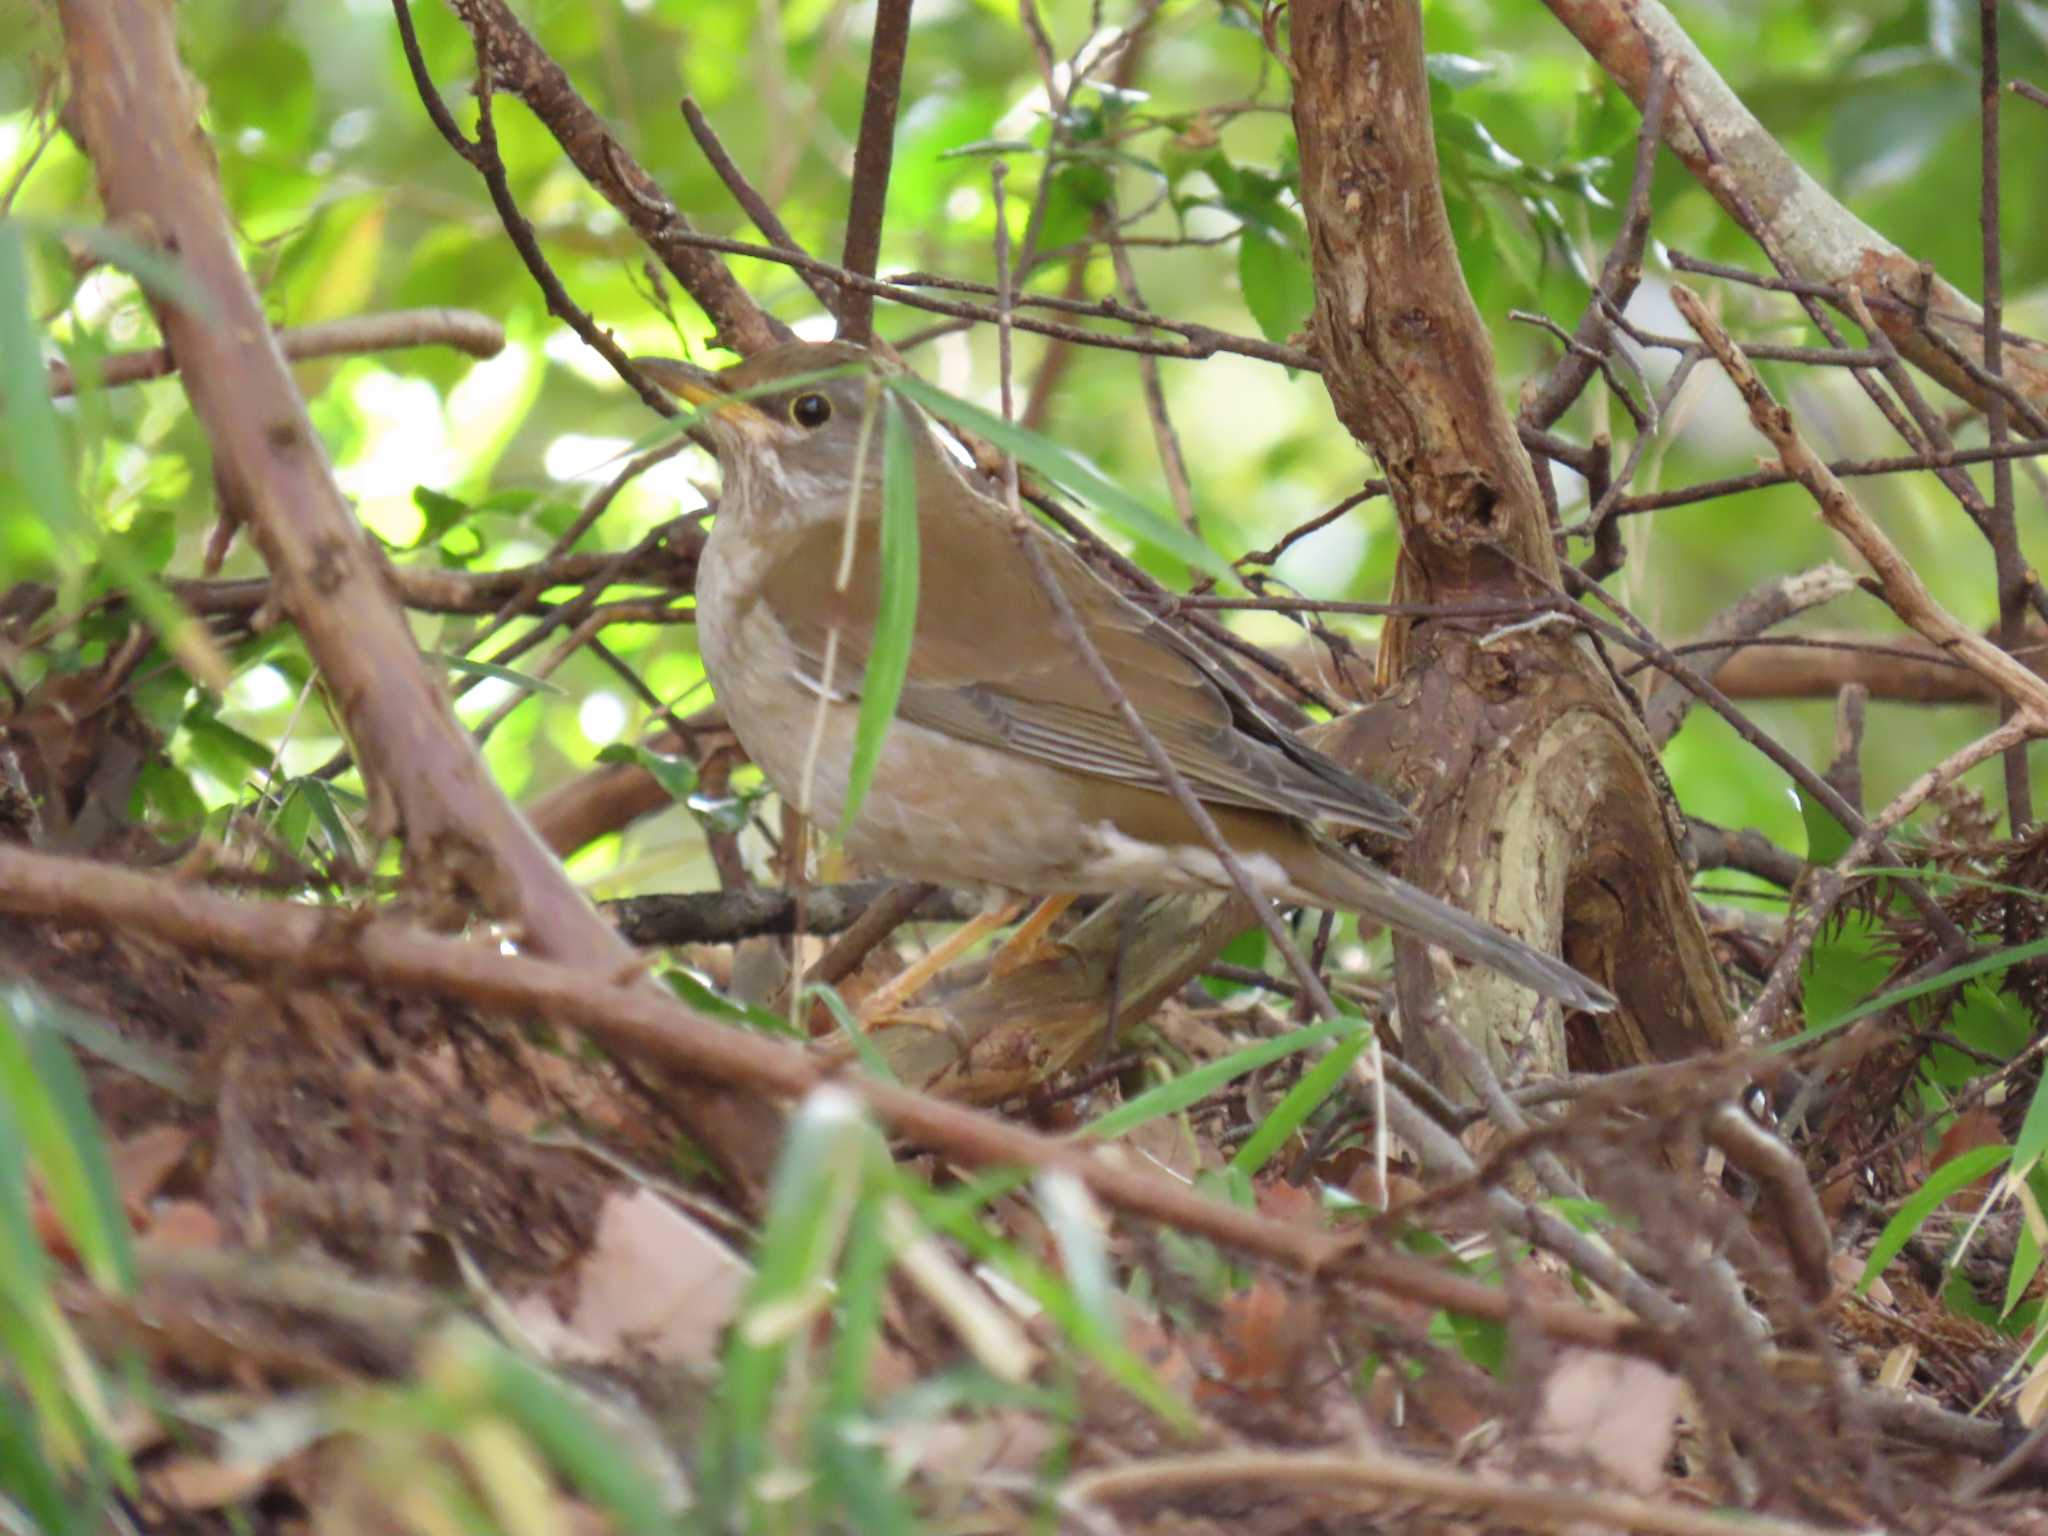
point(1748, 172)
point(1540, 802)
point(136, 114)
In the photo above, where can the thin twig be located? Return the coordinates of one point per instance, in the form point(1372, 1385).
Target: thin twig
point(463, 329)
point(2015, 580)
point(752, 203)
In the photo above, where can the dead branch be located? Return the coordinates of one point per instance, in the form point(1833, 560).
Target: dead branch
point(519, 65)
point(1903, 588)
point(641, 1022)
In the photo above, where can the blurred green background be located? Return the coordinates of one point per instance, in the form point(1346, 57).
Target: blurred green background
point(348, 201)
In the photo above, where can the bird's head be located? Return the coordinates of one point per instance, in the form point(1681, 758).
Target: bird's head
point(790, 417)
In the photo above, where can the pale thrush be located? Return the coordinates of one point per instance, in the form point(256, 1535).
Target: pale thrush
point(1005, 766)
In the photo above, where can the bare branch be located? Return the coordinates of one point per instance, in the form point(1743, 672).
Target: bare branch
point(515, 62)
point(1819, 239)
point(463, 329)
point(872, 153)
point(1903, 588)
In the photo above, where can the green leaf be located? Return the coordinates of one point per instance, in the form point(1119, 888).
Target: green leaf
point(523, 681)
point(2032, 1141)
point(438, 513)
point(2003, 960)
point(568, 1427)
point(716, 1005)
point(829, 1166)
point(1299, 1102)
point(2026, 1263)
point(1190, 1088)
point(1278, 287)
point(676, 775)
point(36, 459)
point(43, 1093)
point(896, 610)
point(323, 800)
point(1945, 1181)
point(1826, 838)
point(1063, 469)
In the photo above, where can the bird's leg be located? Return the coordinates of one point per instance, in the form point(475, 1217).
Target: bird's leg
point(888, 999)
point(1028, 942)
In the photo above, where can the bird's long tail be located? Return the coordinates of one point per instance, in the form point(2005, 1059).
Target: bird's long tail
point(1333, 876)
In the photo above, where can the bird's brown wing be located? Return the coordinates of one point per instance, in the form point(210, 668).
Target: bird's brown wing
point(988, 666)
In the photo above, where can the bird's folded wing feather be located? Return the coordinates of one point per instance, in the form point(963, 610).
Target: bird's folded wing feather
point(988, 666)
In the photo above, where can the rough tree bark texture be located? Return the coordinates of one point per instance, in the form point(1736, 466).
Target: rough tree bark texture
point(1541, 803)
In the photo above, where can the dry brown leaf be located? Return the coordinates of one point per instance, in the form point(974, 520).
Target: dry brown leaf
point(1617, 1412)
point(654, 1282)
point(143, 1163)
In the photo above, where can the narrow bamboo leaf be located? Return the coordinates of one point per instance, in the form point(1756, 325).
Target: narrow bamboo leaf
point(717, 1005)
point(43, 1092)
point(872, 1061)
point(896, 608)
point(2032, 1140)
point(523, 681)
point(1299, 1102)
point(826, 1171)
point(1075, 1221)
point(1062, 468)
point(1106, 1346)
point(570, 1429)
point(1945, 1181)
point(2026, 1257)
point(321, 798)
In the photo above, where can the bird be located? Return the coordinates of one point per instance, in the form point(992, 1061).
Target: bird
point(1005, 766)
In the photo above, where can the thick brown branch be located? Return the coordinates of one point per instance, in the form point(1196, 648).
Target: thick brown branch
point(136, 114)
point(308, 943)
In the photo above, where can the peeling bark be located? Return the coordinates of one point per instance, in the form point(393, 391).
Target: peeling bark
point(1542, 806)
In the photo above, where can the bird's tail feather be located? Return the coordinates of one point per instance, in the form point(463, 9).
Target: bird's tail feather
point(1339, 878)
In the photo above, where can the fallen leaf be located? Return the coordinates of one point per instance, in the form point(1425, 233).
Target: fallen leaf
point(1619, 1413)
point(654, 1282)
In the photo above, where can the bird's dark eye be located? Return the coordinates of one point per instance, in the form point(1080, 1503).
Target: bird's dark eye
point(810, 410)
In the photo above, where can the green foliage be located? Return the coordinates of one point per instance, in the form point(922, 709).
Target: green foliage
point(58, 1453)
point(896, 603)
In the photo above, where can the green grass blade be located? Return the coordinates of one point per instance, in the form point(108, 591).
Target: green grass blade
point(1182, 1092)
point(1911, 1216)
point(1064, 469)
point(1299, 1102)
point(896, 607)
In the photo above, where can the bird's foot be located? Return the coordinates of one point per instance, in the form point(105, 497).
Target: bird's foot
point(887, 1001)
point(1029, 943)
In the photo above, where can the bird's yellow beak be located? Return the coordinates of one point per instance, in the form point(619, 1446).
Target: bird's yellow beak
point(702, 388)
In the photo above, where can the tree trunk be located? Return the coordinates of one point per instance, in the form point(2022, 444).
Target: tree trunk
point(1542, 805)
